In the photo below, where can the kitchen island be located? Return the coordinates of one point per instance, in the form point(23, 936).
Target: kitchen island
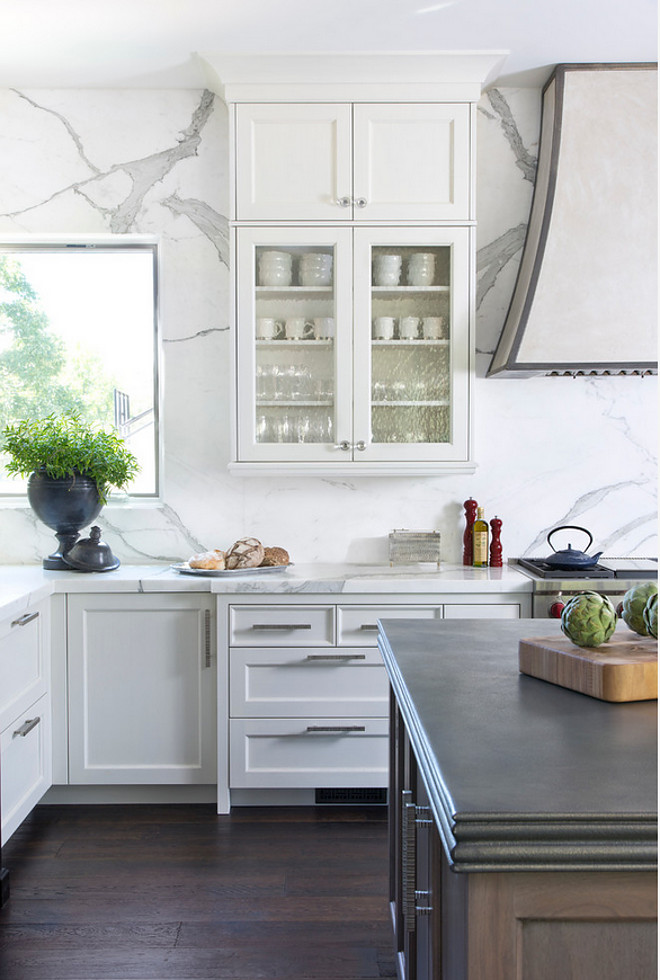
point(523, 815)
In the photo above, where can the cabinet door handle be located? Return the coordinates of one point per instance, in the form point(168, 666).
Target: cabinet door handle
point(361, 445)
point(360, 202)
point(25, 619)
point(335, 729)
point(336, 656)
point(27, 727)
point(369, 627)
point(207, 638)
point(281, 626)
point(344, 202)
point(344, 445)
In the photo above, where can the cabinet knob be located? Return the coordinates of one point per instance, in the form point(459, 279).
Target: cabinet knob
point(344, 445)
point(361, 445)
point(360, 202)
point(344, 202)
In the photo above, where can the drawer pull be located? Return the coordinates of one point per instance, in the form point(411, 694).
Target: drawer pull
point(369, 627)
point(25, 619)
point(336, 656)
point(334, 729)
point(281, 626)
point(27, 727)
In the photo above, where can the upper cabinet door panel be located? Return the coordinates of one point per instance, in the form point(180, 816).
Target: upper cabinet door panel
point(412, 162)
point(293, 162)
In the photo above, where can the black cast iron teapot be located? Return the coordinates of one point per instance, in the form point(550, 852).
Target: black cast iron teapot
point(571, 559)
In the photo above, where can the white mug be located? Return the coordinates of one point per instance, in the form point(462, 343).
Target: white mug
point(324, 327)
point(268, 328)
point(433, 327)
point(294, 327)
point(384, 327)
point(387, 270)
point(408, 327)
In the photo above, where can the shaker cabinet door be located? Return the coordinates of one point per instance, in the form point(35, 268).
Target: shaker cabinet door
point(293, 162)
point(412, 162)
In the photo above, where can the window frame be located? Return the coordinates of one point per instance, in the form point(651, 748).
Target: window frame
point(109, 243)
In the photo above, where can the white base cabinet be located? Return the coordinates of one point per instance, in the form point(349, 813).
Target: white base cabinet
point(25, 723)
point(307, 691)
point(141, 689)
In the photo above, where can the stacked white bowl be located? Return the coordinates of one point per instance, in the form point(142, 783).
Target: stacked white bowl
point(387, 270)
point(315, 269)
point(421, 269)
point(275, 268)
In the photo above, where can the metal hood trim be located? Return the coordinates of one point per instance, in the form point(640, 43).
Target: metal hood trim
point(507, 360)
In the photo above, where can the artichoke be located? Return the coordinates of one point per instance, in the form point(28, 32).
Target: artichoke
point(588, 619)
point(651, 615)
point(634, 602)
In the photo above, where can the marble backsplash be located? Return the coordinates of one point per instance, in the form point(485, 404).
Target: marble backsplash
point(550, 451)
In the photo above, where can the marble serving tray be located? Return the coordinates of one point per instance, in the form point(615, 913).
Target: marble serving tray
point(185, 569)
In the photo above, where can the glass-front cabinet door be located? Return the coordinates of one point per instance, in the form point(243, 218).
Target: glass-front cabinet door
point(294, 343)
point(353, 347)
point(412, 344)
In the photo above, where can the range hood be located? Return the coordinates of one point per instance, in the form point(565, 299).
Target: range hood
point(585, 301)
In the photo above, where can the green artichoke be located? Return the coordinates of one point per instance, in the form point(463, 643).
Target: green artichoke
point(588, 619)
point(651, 615)
point(634, 602)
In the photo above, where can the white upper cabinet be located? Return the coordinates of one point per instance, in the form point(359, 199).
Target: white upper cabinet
point(360, 162)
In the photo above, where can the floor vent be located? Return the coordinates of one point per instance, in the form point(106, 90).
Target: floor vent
point(353, 795)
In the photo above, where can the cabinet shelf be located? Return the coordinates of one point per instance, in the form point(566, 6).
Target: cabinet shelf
point(293, 403)
point(295, 343)
point(296, 290)
point(403, 403)
point(397, 290)
point(410, 343)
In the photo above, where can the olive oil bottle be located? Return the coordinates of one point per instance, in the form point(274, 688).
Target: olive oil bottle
point(480, 541)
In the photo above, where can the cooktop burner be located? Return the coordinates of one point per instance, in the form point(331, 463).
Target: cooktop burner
point(540, 569)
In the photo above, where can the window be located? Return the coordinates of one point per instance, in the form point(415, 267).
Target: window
point(78, 333)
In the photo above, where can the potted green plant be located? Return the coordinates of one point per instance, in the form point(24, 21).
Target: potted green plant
point(71, 465)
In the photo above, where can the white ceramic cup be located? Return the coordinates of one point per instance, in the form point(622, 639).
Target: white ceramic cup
point(387, 270)
point(384, 327)
point(408, 327)
point(433, 327)
point(421, 269)
point(268, 328)
point(324, 327)
point(294, 327)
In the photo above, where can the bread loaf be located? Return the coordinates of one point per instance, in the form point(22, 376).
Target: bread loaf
point(245, 553)
point(208, 559)
point(275, 556)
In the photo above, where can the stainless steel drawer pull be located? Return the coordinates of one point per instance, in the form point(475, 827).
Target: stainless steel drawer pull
point(25, 619)
point(333, 729)
point(369, 627)
point(27, 727)
point(336, 656)
point(281, 626)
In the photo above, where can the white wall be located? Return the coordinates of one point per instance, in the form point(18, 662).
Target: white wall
point(550, 450)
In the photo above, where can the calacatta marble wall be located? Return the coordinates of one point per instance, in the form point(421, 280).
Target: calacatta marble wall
point(550, 451)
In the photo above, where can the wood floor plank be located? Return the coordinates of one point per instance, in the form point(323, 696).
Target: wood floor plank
point(180, 893)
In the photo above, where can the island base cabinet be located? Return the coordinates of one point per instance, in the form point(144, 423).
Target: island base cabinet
point(546, 926)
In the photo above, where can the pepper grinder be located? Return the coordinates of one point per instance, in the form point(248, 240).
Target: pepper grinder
point(495, 543)
point(470, 517)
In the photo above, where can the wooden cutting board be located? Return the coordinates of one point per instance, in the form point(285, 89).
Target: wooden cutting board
point(623, 669)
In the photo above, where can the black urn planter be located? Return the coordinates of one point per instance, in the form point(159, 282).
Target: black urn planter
point(65, 504)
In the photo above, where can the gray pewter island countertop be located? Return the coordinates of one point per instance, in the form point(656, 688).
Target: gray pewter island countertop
point(522, 775)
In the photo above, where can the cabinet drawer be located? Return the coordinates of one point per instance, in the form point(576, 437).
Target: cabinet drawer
point(357, 625)
point(285, 683)
point(483, 610)
point(308, 753)
point(293, 626)
point(21, 664)
point(26, 764)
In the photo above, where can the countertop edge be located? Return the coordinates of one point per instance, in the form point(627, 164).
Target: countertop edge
point(489, 842)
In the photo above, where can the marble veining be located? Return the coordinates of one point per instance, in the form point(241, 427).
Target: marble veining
point(549, 451)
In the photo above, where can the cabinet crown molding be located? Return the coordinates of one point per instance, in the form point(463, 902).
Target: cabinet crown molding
point(432, 76)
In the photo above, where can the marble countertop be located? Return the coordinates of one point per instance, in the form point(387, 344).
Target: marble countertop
point(522, 775)
point(22, 584)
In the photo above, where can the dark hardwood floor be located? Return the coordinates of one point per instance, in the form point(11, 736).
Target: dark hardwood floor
point(180, 893)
